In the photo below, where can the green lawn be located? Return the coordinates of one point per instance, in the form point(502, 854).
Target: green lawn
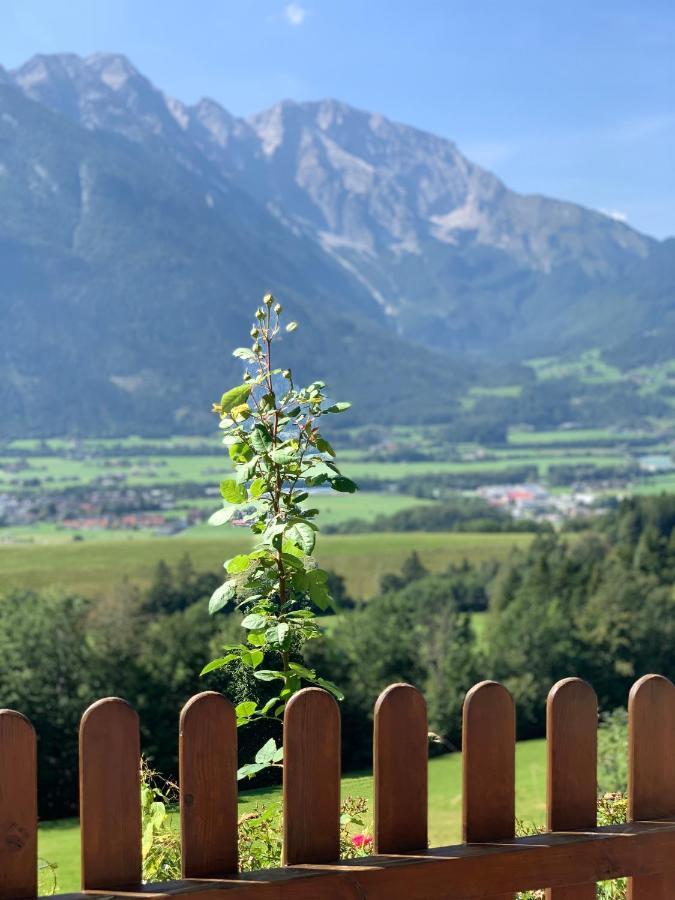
point(93, 567)
point(59, 841)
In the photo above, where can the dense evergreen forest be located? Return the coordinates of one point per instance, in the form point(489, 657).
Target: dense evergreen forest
point(598, 604)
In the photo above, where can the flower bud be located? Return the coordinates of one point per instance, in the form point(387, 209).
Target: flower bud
point(277, 309)
point(256, 348)
point(268, 299)
point(287, 374)
point(254, 332)
point(260, 314)
point(247, 376)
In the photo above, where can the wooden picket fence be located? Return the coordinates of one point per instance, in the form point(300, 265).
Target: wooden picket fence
point(491, 862)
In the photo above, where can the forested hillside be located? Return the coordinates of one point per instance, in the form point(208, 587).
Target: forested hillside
point(598, 604)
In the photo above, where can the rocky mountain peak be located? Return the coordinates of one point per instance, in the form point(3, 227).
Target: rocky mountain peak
point(102, 91)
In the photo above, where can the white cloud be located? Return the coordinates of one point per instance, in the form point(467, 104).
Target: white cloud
point(615, 214)
point(295, 14)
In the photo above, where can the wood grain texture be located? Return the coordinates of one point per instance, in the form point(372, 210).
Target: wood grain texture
point(18, 807)
point(208, 786)
point(311, 778)
point(465, 872)
point(400, 763)
point(489, 766)
point(110, 800)
point(572, 749)
point(651, 769)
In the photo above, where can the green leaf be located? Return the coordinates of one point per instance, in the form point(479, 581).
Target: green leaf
point(257, 657)
point(318, 588)
point(277, 633)
point(319, 466)
point(268, 675)
point(251, 658)
point(293, 562)
point(331, 688)
point(218, 664)
point(254, 622)
point(266, 753)
point(344, 485)
point(246, 709)
point(235, 397)
point(268, 706)
point(261, 439)
point(221, 516)
point(291, 549)
point(249, 770)
point(222, 596)
point(237, 564)
point(240, 452)
point(257, 488)
point(337, 407)
point(284, 455)
point(302, 535)
point(323, 446)
point(303, 672)
point(233, 492)
point(246, 470)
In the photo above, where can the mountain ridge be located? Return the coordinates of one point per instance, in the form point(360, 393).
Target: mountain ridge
point(373, 231)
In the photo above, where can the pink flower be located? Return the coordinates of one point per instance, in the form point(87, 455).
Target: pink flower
point(362, 840)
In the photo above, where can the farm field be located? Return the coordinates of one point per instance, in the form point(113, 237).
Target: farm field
point(395, 471)
point(542, 450)
point(93, 567)
point(334, 509)
point(59, 841)
point(519, 437)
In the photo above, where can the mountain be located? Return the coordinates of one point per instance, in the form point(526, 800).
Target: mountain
point(128, 277)
point(137, 232)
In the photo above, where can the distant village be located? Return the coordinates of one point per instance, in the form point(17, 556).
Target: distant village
point(538, 503)
point(100, 508)
point(111, 503)
point(535, 502)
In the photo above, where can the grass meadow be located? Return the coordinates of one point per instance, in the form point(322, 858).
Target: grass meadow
point(92, 567)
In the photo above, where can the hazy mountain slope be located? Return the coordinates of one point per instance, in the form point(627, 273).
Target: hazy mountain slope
point(455, 258)
point(125, 285)
point(136, 232)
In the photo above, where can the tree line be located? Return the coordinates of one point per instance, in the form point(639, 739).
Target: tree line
point(598, 604)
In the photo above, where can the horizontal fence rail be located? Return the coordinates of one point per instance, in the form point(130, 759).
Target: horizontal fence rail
point(567, 860)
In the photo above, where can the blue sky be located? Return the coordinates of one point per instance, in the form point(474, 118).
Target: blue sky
point(572, 99)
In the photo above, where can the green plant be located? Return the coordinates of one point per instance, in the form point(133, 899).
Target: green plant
point(271, 430)
point(47, 877)
point(613, 751)
point(260, 834)
point(161, 839)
